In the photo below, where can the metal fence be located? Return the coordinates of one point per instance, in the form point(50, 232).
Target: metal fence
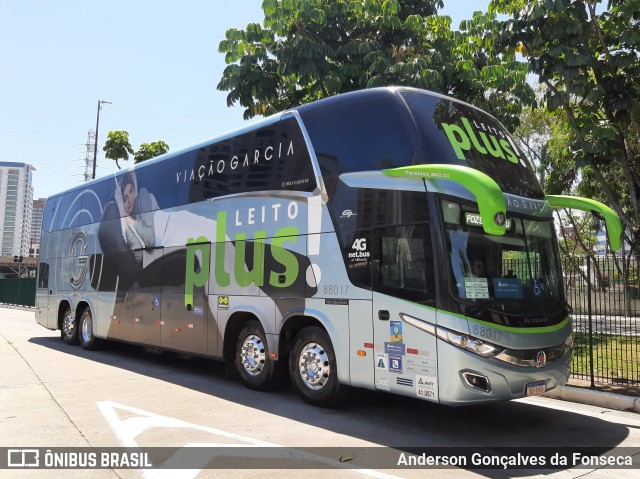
point(605, 296)
point(18, 291)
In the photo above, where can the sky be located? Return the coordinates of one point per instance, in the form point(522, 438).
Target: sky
point(156, 62)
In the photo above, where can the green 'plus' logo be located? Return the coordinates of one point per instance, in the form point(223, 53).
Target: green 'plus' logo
point(464, 138)
point(198, 262)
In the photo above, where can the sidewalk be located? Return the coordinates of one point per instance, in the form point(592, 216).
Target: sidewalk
point(609, 396)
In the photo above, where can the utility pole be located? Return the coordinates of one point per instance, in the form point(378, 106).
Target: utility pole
point(91, 140)
point(95, 149)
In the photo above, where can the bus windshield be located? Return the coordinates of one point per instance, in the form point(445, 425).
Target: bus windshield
point(503, 274)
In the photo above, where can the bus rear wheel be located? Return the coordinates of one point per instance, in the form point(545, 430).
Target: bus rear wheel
point(69, 327)
point(313, 368)
point(85, 331)
point(252, 361)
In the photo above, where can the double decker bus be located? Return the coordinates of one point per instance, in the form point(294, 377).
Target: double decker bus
point(391, 239)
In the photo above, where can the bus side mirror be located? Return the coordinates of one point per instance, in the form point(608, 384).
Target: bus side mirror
point(612, 222)
point(488, 194)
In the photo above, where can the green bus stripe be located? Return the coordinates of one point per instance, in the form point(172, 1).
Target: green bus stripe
point(511, 329)
point(531, 330)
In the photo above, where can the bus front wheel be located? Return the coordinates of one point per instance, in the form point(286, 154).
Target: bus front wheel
point(312, 367)
point(69, 327)
point(252, 361)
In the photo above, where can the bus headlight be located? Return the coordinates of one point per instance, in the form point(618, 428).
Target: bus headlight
point(463, 341)
point(525, 358)
point(470, 343)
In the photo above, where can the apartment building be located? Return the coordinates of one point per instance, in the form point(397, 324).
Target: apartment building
point(16, 205)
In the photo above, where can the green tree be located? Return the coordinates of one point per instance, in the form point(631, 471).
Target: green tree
point(547, 138)
point(307, 50)
point(587, 55)
point(117, 146)
point(150, 150)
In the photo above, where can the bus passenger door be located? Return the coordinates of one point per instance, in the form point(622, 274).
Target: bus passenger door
point(360, 338)
point(145, 328)
point(146, 301)
point(185, 309)
point(404, 300)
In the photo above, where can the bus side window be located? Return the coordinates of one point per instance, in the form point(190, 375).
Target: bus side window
point(357, 257)
point(403, 263)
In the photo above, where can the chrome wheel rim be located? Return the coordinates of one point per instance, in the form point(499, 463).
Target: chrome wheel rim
point(68, 324)
point(253, 355)
point(314, 366)
point(87, 329)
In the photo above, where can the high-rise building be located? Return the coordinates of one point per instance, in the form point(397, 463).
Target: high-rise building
point(36, 225)
point(16, 203)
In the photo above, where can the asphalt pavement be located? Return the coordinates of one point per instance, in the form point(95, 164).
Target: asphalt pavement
point(57, 396)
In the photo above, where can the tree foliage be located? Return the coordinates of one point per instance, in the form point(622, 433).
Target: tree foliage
point(587, 54)
point(311, 49)
point(117, 146)
point(547, 139)
point(150, 150)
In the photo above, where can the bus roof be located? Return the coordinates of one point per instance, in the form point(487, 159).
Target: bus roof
point(394, 97)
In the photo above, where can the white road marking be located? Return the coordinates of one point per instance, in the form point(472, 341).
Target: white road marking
point(127, 430)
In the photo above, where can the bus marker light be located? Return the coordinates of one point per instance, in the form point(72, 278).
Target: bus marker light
point(177, 330)
point(361, 353)
point(412, 351)
point(273, 355)
point(368, 345)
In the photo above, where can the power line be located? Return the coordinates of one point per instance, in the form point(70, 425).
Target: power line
point(26, 149)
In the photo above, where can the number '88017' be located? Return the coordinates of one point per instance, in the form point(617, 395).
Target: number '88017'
point(485, 332)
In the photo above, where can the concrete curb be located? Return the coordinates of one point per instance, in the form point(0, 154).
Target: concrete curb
point(595, 398)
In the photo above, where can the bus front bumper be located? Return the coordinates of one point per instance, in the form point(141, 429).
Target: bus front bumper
point(471, 379)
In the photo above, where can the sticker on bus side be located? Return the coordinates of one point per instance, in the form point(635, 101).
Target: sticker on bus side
point(223, 302)
point(395, 364)
point(396, 331)
point(382, 361)
point(426, 387)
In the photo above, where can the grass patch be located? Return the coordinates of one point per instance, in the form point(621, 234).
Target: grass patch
point(615, 358)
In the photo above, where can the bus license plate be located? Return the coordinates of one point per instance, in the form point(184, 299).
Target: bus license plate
point(534, 389)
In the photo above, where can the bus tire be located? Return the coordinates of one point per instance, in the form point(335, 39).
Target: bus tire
point(69, 327)
point(85, 331)
point(252, 361)
point(313, 368)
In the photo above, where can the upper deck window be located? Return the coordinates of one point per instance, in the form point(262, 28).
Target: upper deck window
point(360, 132)
point(272, 158)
